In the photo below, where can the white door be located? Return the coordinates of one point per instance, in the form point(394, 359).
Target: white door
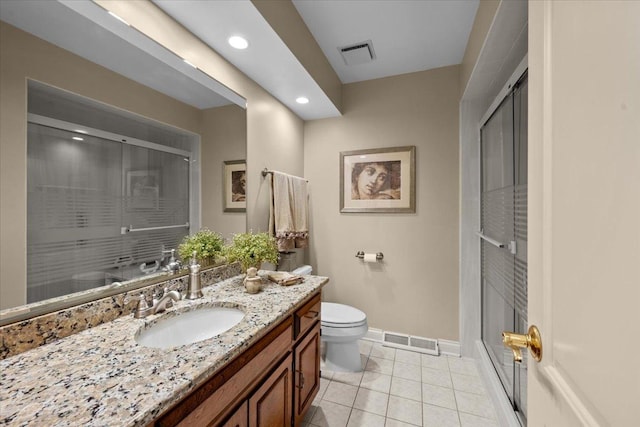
point(584, 212)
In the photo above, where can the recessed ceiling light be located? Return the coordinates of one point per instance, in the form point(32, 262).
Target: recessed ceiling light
point(77, 138)
point(80, 131)
point(119, 19)
point(238, 42)
point(302, 100)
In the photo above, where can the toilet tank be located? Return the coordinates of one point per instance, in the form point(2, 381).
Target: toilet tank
point(302, 270)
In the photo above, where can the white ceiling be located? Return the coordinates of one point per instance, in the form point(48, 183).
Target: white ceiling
point(407, 35)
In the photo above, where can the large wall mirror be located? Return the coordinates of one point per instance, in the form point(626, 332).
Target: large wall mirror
point(118, 150)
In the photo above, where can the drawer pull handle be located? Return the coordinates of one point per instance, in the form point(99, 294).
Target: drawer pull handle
point(312, 314)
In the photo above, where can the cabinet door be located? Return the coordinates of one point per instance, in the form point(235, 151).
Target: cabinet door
point(239, 418)
point(307, 374)
point(270, 405)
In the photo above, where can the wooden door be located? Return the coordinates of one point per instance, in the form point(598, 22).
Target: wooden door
point(239, 418)
point(270, 405)
point(584, 211)
point(307, 373)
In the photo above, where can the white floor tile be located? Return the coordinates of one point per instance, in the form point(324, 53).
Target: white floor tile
point(331, 414)
point(378, 350)
point(405, 410)
point(395, 423)
point(475, 404)
point(310, 413)
point(343, 394)
point(365, 347)
point(351, 378)
point(435, 362)
point(372, 401)
point(436, 416)
point(468, 383)
point(360, 418)
point(401, 388)
point(324, 383)
point(406, 356)
point(325, 373)
point(461, 365)
point(439, 396)
point(468, 420)
point(406, 371)
point(436, 377)
point(406, 388)
point(376, 381)
point(376, 364)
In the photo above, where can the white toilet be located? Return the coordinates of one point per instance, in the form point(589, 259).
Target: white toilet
point(341, 327)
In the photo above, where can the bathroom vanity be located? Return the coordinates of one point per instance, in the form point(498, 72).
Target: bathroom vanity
point(263, 371)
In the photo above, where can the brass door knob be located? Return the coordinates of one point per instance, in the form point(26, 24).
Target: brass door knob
point(532, 340)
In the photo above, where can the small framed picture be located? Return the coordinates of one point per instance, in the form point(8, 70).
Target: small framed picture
point(143, 189)
point(235, 185)
point(378, 180)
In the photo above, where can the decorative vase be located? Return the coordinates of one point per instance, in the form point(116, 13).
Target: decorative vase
point(252, 282)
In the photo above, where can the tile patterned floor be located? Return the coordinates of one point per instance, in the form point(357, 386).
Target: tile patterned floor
point(400, 388)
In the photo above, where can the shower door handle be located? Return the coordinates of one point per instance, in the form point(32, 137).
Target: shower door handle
point(490, 240)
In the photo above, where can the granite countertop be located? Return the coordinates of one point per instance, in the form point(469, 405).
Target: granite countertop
point(101, 376)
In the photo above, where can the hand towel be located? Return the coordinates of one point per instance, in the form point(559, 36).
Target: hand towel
point(289, 211)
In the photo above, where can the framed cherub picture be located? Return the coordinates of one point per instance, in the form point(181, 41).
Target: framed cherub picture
point(378, 180)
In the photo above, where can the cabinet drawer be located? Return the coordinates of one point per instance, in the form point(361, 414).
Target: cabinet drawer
point(306, 316)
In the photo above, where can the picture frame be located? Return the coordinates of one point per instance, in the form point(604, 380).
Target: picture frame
point(235, 185)
point(381, 180)
point(143, 190)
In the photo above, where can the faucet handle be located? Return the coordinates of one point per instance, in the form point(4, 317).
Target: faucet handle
point(141, 306)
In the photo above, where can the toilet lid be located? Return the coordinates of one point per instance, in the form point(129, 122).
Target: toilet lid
point(334, 314)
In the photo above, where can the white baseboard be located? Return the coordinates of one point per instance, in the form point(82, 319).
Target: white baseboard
point(374, 334)
point(447, 347)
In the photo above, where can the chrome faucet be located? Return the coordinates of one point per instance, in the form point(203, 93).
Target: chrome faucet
point(143, 309)
point(195, 287)
point(174, 265)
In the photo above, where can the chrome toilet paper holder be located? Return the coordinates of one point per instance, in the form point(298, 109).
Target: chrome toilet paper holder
point(379, 255)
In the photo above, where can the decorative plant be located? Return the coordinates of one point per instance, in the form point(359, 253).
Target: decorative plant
point(206, 243)
point(251, 250)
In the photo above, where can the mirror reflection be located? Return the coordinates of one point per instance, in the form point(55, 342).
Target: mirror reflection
point(111, 187)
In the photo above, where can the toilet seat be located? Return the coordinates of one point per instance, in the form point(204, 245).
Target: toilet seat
point(342, 316)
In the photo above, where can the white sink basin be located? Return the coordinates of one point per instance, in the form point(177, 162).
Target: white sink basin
point(189, 327)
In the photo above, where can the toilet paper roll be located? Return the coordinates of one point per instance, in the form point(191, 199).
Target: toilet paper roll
point(370, 258)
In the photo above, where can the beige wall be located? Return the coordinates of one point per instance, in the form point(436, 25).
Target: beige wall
point(224, 136)
point(481, 25)
point(415, 289)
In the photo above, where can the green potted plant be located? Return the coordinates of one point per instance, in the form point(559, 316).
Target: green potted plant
point(207, 244)
point(252, 249)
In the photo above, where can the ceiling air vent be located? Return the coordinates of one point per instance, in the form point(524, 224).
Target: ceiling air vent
point(359, 53)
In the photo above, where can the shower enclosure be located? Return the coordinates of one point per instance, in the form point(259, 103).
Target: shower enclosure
point(102, 207)
point(504, 238)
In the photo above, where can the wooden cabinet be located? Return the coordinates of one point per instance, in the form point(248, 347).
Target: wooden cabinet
point(270, 405)
point(307, 373)
point(271, 384)
point(240, 418)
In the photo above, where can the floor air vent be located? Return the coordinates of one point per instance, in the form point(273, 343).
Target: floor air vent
point(408, 342)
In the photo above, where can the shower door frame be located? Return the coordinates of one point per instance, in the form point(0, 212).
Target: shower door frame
point(508, 91)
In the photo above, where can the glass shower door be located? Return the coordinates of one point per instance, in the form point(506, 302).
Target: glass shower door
point(504, 242)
